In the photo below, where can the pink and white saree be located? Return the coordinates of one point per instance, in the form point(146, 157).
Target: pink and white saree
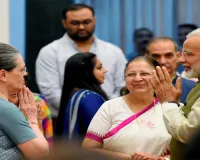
point(119, 129)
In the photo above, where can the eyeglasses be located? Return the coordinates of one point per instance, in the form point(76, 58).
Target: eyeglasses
point(141, 74)
point(24, 70)
point(78, 23)
point(184, 53)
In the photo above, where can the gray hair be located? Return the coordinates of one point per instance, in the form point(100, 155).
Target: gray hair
point(196, 32)
point(8, 56)
point(158, 39)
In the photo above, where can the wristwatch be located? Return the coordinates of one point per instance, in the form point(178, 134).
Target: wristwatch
point(178, 104)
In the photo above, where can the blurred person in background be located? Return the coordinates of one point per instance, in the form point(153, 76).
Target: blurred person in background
point(183, 31)
point(81, 96)
point(62, 151)
point(141, 38)
point(79, 21)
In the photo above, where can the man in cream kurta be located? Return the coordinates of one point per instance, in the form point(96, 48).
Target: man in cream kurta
point(181, 122)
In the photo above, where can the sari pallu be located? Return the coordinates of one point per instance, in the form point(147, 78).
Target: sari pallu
point(82, 106)
point(142, 132)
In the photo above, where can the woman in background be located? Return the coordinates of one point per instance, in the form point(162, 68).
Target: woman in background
point(81, 95)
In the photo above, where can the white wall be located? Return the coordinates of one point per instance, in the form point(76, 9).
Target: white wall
point(4, 21)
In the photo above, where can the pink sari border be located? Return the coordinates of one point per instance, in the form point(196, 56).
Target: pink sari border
point(94, 137)
point(129, 120)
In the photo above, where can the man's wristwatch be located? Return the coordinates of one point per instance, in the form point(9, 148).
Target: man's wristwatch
point(178, 104)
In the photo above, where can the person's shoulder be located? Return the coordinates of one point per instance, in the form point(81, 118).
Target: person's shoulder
point(5, 104)
point(187, 80)
point(157, 104)
point(109, 45)
point(52, 46)
point(113, 105)
point(118, 101)
point(8, 109)
point(39, 97)
point(88, 94)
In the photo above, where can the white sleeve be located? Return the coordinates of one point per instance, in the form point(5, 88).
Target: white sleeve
point(101, 122)
point(166, 158)
point(47, 76)
point(119, 72)
point(180, 127)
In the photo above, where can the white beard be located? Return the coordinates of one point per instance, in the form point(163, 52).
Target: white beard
point(191, 74)
point(194, 72)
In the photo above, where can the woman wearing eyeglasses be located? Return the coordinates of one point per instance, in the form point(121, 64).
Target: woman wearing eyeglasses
point(20, 136)
point(131, 126)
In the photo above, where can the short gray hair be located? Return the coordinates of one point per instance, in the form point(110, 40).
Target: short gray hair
point(8, 56)
point(160, 39)
point(196, 32)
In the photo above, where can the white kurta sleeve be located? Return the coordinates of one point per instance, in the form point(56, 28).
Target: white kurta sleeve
point(180, 127)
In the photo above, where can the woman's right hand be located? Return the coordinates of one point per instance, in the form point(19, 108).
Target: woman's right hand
point(27, 104)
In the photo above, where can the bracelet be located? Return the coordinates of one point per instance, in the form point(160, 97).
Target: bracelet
point(178, 104)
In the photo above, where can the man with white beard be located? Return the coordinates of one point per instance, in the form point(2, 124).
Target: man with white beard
point(181, 122)
point(164, 51)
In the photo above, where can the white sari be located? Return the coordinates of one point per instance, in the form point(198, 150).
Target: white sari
point(120, 130)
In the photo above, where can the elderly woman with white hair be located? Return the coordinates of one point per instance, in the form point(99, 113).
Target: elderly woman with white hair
point(20, 135)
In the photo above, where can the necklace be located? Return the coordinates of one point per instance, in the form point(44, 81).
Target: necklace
point(3, 97)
